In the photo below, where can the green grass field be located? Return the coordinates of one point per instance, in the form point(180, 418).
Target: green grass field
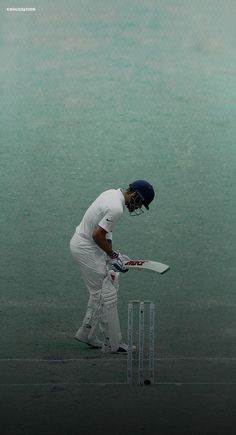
point(94, 95)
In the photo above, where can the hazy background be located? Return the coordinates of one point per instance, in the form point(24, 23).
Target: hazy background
point(94, 95)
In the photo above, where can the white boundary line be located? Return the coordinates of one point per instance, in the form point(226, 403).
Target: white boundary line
point(102, 384)
point(71, 384)
point(116, 358)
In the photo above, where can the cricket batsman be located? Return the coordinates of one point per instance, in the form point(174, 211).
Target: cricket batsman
point(100, 265)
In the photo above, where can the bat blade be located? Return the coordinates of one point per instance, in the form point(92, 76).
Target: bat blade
point(155, 266)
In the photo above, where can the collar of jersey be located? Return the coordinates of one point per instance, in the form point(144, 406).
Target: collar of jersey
point(122, 196)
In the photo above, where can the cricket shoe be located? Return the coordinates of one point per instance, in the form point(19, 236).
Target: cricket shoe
point(82, 335)
point(122, 349)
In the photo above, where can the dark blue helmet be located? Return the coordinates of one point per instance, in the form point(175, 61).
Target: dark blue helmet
point(144, 190)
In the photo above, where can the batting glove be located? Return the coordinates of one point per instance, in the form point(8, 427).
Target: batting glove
point(116, 261)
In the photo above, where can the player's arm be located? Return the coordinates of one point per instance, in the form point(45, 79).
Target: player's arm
point(99, 237)
point(116, 260)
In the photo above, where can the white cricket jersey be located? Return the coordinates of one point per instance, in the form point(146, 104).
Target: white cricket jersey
point(104, 211)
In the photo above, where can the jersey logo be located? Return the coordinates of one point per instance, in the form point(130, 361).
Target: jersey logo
point(108, 220)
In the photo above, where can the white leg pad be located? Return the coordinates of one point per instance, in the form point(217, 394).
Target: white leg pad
point(110, 312)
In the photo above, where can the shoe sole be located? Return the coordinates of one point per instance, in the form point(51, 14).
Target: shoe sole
point(109, 352)
point(119, 352)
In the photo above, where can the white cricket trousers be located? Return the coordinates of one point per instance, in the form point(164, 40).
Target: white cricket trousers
point(92, 264)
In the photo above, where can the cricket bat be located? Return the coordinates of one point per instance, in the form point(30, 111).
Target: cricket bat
point(155, 266)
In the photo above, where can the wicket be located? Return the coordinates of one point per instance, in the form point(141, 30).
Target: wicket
point(141, 342)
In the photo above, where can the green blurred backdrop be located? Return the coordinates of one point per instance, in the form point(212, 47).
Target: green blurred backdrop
point(95, 95)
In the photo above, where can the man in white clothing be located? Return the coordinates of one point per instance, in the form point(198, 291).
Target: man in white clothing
point(91, 247)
